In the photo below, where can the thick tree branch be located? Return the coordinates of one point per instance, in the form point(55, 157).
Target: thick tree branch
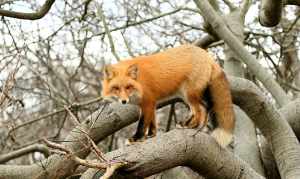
point(270, 12)
point(291, 112)
point(234, 43)
point(274, 127)
point(180, 147)
point(102, 123)
point(245, 141)
point(29, 16)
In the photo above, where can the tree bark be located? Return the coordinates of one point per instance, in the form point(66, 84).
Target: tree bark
point(274, 127)
point(291, 112)
point(270, 12)
point(245, 141)
point(180, 147)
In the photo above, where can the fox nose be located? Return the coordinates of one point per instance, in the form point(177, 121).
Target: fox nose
point(123, 101)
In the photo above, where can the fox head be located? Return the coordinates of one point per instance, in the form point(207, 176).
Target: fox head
point(120, 84)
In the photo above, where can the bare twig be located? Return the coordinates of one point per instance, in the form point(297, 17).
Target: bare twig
point(23, 151)
point(29, 16)
point(107, 31)
point(86, 6)
point(230, 5)
point(110, 167)
point(78, 105)
point(75, 120)
point(245, 7)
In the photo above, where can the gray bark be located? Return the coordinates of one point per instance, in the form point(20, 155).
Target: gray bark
point(274, 127)
point(270, 12)
point(245, 141)
point(181, 147)
point(291, 112)
point(233, 66)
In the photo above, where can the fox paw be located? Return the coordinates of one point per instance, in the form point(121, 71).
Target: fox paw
point(134, 140)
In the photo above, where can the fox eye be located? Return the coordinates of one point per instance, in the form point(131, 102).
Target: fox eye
point(128, 87)
point(115, 88)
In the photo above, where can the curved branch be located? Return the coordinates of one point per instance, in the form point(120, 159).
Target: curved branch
point(205, 41)
point(291, 112)
point(29, 16)
point(231, 6)
point(274, 127)
point(245, 141)
point(292, 2)
point(26, 150)
point(180, 147)
point(270, 12)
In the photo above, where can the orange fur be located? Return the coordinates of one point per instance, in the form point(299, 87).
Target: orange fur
point(186, 71)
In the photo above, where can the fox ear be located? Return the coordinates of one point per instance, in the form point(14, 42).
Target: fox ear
point(132, 71)
point(109, 72)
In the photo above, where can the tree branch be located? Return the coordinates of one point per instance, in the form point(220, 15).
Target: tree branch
point(270, 12)
point(274, 127)
point(245, 7)
point(230, 5)
point(292, 2)
point(205, 41)
point(245, 141)
point(29, 16)
point(107, 31)
point(26, 150)
point(180, 147)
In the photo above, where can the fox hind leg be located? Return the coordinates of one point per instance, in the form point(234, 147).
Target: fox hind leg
point(193, 96)
point(199, 115)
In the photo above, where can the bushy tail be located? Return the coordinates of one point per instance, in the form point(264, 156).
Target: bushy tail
point(222, 106)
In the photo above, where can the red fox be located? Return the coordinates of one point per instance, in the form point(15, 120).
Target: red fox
point(185, 71)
